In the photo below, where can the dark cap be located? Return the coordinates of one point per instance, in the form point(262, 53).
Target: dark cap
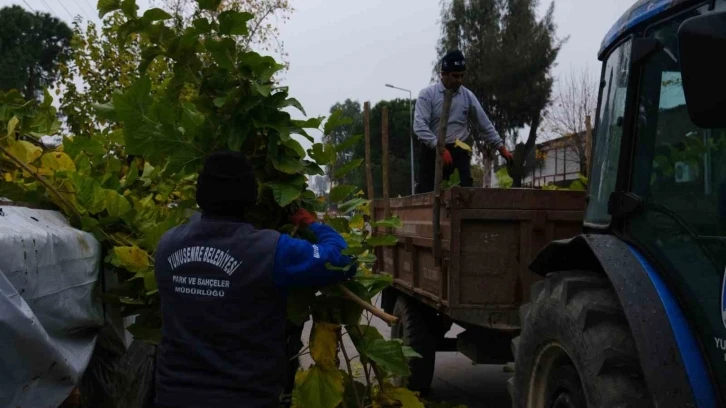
point(453, 61)
point(226, 184)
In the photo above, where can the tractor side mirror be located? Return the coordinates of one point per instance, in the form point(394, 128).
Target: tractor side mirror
point(700, 41)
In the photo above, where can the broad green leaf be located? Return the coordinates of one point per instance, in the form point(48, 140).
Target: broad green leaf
point(462, 145)
point(89, 193)
point(132, 175)
point(347, 168)
point(12, 124)
point(357, 222)
point(24, 151)
point(202, 25)
point(339, 224)
point(312, 169)
point(294, 103)
point(318, 387)
point(367, 257)
point(106, 6)
point(312, 123)
point(129, 8)
point(375, 283)
point(349, 143)
point(223, 51)
point(211, 5)
point(295, 145)
point(55, 161)
point(323, 154)
point(336, 119)
point(503, 179)
point(353, 250)
point(453, 181)
point(132, 258)
point(288, 164)
point(382, 240)
point(263, 89)
point(234, 22)
point(339, 193)
point(394, 222)
point(284, 193)
point(150, 281)
point(389, 355)
point(351, 205)
point(77, 145)
point(409, 352)
point(116, 204)
point(363, 336)
point(324, 344)
point(405, 396)
point(155, 14)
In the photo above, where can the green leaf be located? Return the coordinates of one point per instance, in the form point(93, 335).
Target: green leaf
point(339, 193)
point(295, 145)
point(389, 355)
point(318, 387)
point(284, 193)
point(374, 284)
point(155, 14)
point(323, 154)
point(351, 205)
point(25, 151)
point(339, 224)
point(453, 181)
point(503, 179)
point(405, 396)
point(312, 123)
point(409, 352)
point(349, 143)
point(223, 51)
point(202, 25)
point(129, 8)
point(12, 124)
point(116, 204)
point(211, 5)
point(131, 258)
point(347, 168)
point(106, 6)
point(336, 119)
point(382, 240)
point(294, 103)
point(394, 222)
point(234, 22)
point(353, 250)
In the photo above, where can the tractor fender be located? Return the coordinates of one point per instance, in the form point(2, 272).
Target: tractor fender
point(660, 356)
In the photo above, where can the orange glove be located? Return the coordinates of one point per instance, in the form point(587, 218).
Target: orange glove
point(303, 218)
point(448, 160)
point(506, 154)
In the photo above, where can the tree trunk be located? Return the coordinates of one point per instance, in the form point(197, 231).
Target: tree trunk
point(30, 87)
point(517, 170)
point(487, 166)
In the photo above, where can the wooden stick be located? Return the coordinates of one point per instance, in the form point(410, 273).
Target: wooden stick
point(384, 164)
point(440, 148)
point(367, 306)
point(367, 132)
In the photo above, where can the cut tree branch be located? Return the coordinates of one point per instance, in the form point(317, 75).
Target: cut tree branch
point(379, 313)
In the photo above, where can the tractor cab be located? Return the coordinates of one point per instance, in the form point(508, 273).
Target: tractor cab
point(658, 176)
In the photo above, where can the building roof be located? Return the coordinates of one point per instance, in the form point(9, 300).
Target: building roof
point(640, 12)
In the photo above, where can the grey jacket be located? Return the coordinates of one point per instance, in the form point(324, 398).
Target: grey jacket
point(428, 114)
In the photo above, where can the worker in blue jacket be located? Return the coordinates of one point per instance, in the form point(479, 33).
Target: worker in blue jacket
point(222, 285)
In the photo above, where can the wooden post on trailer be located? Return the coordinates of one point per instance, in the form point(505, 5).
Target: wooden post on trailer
point(384, 163)
point(440, 147)
point(367, 132)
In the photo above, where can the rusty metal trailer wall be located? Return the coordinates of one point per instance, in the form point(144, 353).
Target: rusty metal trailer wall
point(489, 237)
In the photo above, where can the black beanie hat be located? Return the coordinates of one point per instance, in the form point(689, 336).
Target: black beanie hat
point(226, 184)
point(453, 61)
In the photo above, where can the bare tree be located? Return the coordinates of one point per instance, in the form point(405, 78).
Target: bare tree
point(575, 99)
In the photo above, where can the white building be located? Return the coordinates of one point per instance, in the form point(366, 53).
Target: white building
point(558, 162)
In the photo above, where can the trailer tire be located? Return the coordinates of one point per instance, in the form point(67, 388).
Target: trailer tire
point(417, 329)
point(575, 348)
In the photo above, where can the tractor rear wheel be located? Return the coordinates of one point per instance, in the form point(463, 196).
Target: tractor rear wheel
point(575, 348)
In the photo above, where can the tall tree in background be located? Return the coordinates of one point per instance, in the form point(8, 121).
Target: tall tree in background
point(352, 111)
point(575, 99)
point(32, 46)
point(399, 162)
point(510, 53)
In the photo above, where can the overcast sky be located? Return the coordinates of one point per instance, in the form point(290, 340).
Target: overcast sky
point(342, 49)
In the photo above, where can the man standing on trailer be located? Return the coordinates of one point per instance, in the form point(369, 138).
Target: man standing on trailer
point(426, 124)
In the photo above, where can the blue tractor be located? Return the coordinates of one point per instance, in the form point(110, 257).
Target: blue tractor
point(632, 313)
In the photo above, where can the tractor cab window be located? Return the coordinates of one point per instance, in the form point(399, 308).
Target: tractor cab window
point(614, 86)
point(679, 169)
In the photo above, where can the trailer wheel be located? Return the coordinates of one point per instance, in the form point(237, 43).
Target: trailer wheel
point(575, 348)
point(417, 329)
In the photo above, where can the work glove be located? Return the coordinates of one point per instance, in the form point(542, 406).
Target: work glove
point(448, 160)
point(506, 154)
point(302, 218)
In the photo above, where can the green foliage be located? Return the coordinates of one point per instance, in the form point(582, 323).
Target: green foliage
point(503, 179)
point(33, 46)
point(128, 171)
point(454, 180)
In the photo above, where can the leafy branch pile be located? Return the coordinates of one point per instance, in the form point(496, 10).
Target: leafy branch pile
point(127, 173)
